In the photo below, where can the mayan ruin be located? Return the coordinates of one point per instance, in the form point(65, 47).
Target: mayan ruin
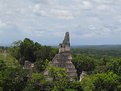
point(63, 58)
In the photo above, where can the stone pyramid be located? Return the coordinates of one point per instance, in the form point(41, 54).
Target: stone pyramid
point(63, 58)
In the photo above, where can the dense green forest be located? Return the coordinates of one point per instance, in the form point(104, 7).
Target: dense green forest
point(101, 63)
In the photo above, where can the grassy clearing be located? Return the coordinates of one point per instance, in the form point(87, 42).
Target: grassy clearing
point(9, 60)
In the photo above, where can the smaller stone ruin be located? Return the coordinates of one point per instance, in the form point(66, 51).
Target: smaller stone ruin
point(28, 66)
point(82, 75)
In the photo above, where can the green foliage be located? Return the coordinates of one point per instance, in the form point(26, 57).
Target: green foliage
point(36, 83)
point(2, 65)
point(98, 51)
point(100, 78)
point(15, 48)
point(33, 52)
point(70, 90)
point(118, 88)
point(13, 79)
point(105, 81)
point(101, 82)
point(26, 51)
point(9, 60)
point(115, 65)
point(59, 77)
point(76, 86)
point(83, 63)
point(41, 65)
point(103, 67)
point(87, 84)
point(37, 78)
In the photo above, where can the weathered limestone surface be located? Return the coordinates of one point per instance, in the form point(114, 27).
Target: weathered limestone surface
point(63, 58)
point(82, 75)
point(28, 66)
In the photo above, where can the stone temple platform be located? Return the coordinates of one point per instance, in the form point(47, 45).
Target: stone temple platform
point(64, 59)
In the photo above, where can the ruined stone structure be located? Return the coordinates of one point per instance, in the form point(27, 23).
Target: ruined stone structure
point(63, 58)
point(82, 75)
point(28, 66)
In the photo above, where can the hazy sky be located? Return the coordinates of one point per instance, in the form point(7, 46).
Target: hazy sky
point(46, 21)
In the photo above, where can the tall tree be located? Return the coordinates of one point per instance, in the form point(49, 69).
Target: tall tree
point(32, 51)
point(59, 77)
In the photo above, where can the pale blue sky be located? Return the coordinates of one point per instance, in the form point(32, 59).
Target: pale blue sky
point(89, 22)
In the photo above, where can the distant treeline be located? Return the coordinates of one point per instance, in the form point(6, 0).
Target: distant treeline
point(3, 47)
point(98, 46)
point(114, 50)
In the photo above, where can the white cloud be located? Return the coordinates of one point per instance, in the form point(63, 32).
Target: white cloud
point(103, 7)
point(86, 4)
point(52, 12)
point(61, 14)
point(38, 19)
point(2, 24)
